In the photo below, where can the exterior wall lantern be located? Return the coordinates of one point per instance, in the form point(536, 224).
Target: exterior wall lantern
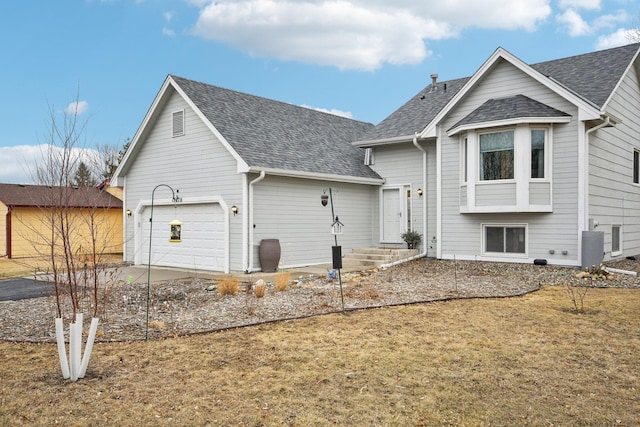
point(129, 213)
point(234, 210)
point(420, 192)
point(176, 228)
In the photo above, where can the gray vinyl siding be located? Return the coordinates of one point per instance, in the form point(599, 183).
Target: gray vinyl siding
point(196, 164)
point(496, 194)
point(462, 233)
point(289, 209)
point(613, 198)
point(402, 164)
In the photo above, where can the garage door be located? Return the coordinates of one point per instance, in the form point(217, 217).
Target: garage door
point(203, 237)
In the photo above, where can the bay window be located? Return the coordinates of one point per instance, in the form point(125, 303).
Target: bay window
point(496, 155)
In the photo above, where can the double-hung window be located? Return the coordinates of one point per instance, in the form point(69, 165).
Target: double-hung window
point(496, 155)
point(538, 142)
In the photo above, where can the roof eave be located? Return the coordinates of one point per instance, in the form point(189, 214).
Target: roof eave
point(318, 176)
point(507, 122)
point(382, 141)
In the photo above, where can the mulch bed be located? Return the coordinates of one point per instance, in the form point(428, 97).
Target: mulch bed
point(195, 305)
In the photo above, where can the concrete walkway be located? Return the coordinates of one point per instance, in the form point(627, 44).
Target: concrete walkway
point(138, 273)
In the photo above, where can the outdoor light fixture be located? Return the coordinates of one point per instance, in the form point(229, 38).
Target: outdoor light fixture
point(234, 210)
point(420, 192)
point(129, 212)
point(324, 199)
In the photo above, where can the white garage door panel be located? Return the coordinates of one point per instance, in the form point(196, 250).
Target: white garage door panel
point(203, 237)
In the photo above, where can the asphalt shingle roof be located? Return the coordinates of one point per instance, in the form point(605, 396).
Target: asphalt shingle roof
point(592, 76)
point(44, 196)
point(276, 135)
point(512, 107)
point(416, 113)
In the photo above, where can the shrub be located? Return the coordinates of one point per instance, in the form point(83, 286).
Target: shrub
point(228, 285)
point(260, 289)
point(282, 280)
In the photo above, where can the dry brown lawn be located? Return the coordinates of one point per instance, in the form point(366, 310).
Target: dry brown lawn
point(516, 361)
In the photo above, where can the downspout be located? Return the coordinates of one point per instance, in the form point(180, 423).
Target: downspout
point(8, 232)
point(585, 218)
point(250, 222)
point(424, 209)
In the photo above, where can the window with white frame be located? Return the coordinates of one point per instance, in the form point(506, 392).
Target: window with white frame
point(538, 144)
point(496, 155)
point(177, 123)
point(616, 240)
point(464, 148)
point(505, 239)
point(636, 166)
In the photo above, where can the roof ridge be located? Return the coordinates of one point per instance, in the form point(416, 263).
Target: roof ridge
point(271, 100)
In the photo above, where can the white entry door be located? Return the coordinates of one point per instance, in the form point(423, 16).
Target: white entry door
point(392, 222)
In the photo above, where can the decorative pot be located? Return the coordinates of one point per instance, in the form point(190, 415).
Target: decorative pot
point(269, 253)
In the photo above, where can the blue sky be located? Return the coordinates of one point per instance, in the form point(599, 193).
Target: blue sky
point(360, 58)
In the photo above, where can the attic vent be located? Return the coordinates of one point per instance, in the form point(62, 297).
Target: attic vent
point(368, 156)
point(178, 123)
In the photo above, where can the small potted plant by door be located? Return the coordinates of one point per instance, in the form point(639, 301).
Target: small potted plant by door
point(412, 237)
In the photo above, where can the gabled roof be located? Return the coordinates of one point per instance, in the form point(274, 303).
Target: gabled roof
point(589, 79)
point(42, 196)
point(593, 76)
point(413, 116)
point(509, 109)
point(267, 135)
point(274, 135)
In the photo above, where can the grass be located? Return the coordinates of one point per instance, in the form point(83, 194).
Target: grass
point(520, 361)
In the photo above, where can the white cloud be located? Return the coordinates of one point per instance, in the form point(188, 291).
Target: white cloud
point(573, 23)
point(619, 38)
point(168, 16)
point(77, 108)
point(356, 34)
point(610, 20)
point(25, 159)
point(580, 4)
point(333, 111)
point(168, 32)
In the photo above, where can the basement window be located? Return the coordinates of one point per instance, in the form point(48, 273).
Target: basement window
point(177, 123)
point(505, 239)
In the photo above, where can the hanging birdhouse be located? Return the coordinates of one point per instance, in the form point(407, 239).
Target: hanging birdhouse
point(176, 229)
point(337, 227)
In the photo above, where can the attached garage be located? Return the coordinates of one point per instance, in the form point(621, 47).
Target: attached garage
point(204, 237)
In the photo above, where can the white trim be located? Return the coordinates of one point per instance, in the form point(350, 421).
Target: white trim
point(509, 122)
point(318, 176)
point(142, 204)
point(587, 111)
point(463, 257)
point(508, 255)
point(620, 234)
point(438, 198)
point(382, 141)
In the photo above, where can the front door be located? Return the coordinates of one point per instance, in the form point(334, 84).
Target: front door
point(392, 223)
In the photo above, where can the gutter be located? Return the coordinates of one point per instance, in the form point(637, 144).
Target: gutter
point(424, 209)
point(248, 225)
